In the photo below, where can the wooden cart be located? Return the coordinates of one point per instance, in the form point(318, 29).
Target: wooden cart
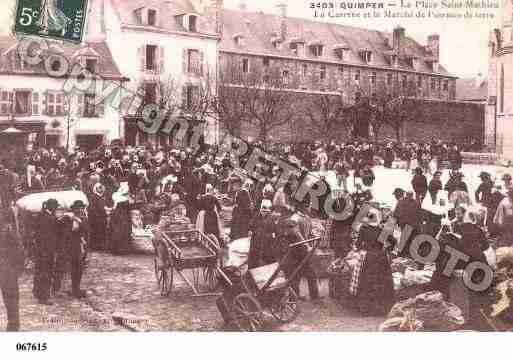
point(180, 250)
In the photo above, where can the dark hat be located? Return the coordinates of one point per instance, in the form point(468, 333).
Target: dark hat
point(484, 175)
point(51, 204)
point(398, 191)
point(438, 173)
point(78, 204)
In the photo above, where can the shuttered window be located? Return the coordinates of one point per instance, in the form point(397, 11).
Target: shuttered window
point(6, 98)
point(54, 104)
point(23, 102)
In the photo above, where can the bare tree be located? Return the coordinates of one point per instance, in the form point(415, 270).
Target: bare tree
point(268, 102)
point(327, 112)
point(229, 104)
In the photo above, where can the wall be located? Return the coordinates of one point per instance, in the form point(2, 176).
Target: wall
point(448, 121)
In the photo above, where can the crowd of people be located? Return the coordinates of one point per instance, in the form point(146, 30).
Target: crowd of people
point(120, 179)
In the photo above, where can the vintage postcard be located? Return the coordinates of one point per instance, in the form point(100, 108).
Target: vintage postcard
point(263, 166)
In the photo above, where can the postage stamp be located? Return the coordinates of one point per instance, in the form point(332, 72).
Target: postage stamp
point(57, 19)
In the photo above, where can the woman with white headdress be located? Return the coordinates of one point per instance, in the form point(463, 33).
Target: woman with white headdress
point(97, 214)
point(242, 211)
point(372, 282)
point(208, 220)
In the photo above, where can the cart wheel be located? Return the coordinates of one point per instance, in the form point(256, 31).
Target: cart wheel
point(286, 309)
point(210, 277)
point(164, 274)
point(247, 313)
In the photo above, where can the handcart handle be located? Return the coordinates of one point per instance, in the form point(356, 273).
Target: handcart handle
point(297, 244)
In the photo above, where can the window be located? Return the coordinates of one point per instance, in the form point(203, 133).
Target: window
point(266, 61)
point(152, 17)
point(304, 70)
point(438, 84)
point(419, 81)
point(89, 106)
point(193, 23)
point(193, 61)
point(91, 65)
point(35, 103)
point(150, 93)
point(54, 104)
point(341, 70)
point(357, 75)
point(323, 72)
point(191, 96)
point(316, 50)
point(373, 78)
point(23, 102)
point(446, 85)
point(245, 66)
point(294, 48)
point(266, 79)
point(151, 57)
point(433, 84)
point(285, 77)
point(366, 56)
point(5, 102)
point(390, 79)
point(405, 81)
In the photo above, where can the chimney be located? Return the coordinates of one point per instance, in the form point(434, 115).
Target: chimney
point(433, 44)
point(398, 38)
point(242, 5)
point(219, 6)
point(282, 7)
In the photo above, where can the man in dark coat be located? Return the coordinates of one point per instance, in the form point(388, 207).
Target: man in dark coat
point(11, 266)
point(292, 234)
point(75, 235)
point(420, 185)
point(46, 251)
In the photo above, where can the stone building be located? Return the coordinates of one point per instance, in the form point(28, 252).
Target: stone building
point(499, 111)
point(35, 109)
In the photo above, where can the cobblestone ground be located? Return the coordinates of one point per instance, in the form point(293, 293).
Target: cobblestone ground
point(125, 287)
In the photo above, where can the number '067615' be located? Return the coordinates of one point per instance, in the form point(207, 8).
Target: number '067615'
point(31, 347)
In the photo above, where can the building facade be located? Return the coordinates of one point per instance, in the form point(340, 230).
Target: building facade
point(168, 49)
point(499, 111)
point(325, 57)
point(35, 109)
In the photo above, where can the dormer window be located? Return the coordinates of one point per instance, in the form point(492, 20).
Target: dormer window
point(366, 56)
point(316, 50)
point(412, 61)
point(193, 23)
point(276, 41)
point(297, 46)
point(91, 65)
point(239, 40)
point(152, 17)
point(433, 65)
point(341, 51)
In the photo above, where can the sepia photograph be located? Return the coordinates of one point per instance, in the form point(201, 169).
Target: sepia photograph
point(186, 166)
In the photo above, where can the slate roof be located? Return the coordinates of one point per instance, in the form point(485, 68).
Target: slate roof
point(167, 12)
point(259, 28)
point(10, 61)
point(472, 89)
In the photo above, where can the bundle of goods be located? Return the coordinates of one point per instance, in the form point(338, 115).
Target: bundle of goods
point(502, 308)
point(426, 312)
point(339, 273)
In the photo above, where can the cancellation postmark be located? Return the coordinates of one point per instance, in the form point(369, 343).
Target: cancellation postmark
point(56, 19)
